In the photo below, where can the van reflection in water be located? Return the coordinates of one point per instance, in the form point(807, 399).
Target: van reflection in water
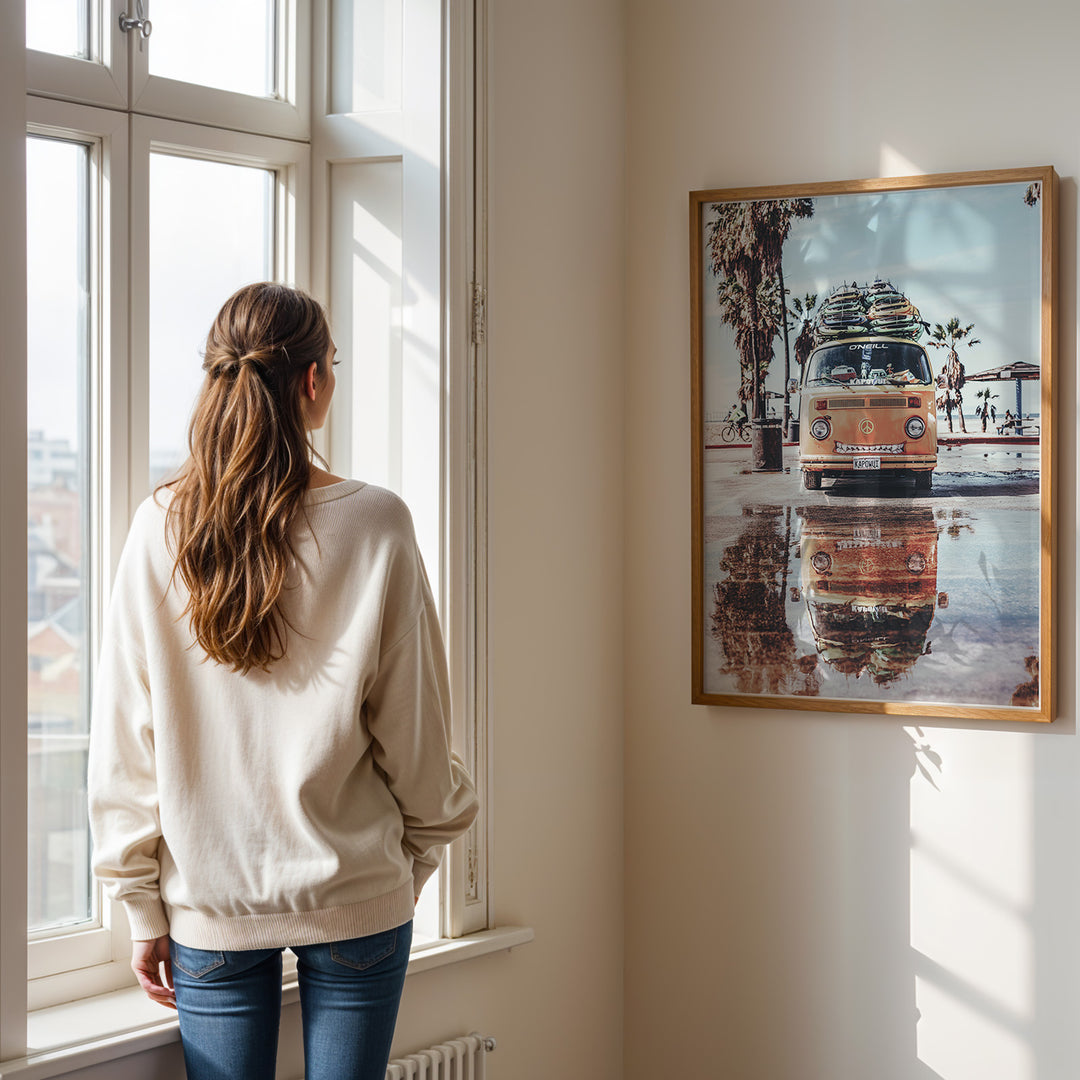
point(869, 580)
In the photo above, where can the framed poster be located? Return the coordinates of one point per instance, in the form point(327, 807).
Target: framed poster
point(872, 425)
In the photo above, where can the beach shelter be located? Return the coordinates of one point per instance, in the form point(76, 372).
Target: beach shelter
point(1019, 372)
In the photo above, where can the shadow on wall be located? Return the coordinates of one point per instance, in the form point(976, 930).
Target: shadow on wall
point(900, 916)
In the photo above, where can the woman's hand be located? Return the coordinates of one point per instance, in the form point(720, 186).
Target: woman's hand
point(153, 968)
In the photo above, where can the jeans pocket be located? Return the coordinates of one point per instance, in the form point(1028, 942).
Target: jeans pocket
point(364, 952)
point(195, 962)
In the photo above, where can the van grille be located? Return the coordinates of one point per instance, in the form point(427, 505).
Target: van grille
point(866, 403)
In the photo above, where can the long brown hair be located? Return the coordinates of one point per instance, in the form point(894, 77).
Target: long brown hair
point(242, 488)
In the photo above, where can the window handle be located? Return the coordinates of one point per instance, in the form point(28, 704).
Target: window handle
point(142, 24)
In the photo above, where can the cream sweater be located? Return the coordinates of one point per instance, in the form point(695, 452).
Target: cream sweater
point(304, 805)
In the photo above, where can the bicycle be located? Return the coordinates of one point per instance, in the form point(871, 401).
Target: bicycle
point(733, 428)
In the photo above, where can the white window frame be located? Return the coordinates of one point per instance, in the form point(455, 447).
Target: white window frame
point(94, 960)
point(465, 546)
point(116, 75)
point(285, 117)
point(104, 83)
point(101, 79)
point(13, 457)
point(106, 133)
point(382, 136)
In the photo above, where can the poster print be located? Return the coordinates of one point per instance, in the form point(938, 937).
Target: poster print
point(872, 415)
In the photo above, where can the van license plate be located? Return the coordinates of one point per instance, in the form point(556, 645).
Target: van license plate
point(866, 462)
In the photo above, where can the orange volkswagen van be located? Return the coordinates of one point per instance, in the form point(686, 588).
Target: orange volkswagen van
point(867, 409)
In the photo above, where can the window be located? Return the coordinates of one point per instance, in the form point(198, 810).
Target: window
point(397, 285)
point(239, 53)
point(127, 256)
point(197, 207)
point(73, 231)
point(58, 219)
point(143, 154)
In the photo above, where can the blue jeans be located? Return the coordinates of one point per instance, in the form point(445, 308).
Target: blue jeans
point(230, 1007)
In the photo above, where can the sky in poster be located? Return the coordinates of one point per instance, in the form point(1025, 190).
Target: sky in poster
point(970, 252)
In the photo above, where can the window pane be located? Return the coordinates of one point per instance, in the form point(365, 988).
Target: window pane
point(211, 231)
point(58, 26)
point(58, 500)
point(229, 46)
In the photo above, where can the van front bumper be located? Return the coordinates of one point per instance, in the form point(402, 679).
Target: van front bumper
point(832, 466)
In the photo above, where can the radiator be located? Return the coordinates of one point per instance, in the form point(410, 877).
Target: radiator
point(457, 1059)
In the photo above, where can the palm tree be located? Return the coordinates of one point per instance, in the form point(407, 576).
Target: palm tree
point(952, 372)
point(757, 339)
point(985, 409)
point(746, 245)
point(802, 309)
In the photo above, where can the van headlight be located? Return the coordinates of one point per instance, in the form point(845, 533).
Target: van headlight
point(820, 429)
point(821, 562)
point(915, 427)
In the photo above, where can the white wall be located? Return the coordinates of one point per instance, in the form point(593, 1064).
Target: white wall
point(801, 902)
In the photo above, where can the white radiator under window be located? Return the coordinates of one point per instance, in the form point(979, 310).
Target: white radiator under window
point(457, 1059)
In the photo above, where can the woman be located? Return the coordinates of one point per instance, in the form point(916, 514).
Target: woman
point(270, 763)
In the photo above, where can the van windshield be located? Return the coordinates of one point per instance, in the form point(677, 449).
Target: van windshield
point(896, 363)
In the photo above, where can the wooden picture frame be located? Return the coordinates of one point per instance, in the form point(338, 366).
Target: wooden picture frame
point(873, 530)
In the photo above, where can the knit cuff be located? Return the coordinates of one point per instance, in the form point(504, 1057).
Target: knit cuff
point(146, 918)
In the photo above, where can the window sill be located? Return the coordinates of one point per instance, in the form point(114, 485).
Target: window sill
point(64, 1038)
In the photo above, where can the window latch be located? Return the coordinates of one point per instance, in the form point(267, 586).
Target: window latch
point(142, 24)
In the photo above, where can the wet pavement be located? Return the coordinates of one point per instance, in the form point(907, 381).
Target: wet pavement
point(867, 590)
